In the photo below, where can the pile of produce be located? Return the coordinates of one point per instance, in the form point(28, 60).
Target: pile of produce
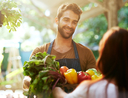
point(44, 73)
point(74, 77)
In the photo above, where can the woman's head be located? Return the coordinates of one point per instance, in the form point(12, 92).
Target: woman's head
point(113, 55)
point(73, 7)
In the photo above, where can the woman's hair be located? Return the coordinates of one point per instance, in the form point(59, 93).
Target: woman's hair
point(73, 7)
point(113, 58)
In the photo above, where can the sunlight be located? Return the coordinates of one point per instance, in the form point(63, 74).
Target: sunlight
point(47, 13)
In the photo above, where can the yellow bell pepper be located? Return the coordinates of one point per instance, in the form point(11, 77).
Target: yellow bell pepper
point(90, 72)
point(101, 76)
point(71, 76)
point(93, 77)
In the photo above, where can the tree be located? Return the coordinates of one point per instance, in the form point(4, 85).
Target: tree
point(96, 27)
point(10, 15)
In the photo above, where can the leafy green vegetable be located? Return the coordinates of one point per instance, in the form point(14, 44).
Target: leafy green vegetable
point(44, 73)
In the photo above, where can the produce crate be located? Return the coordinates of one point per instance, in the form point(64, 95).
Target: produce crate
point(69, 87)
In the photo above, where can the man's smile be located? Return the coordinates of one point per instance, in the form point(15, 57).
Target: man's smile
point(68, 30)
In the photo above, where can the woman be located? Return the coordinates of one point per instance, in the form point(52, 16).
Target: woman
point(112, 63)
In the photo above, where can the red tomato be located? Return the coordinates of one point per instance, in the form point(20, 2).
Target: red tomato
point(63, 69)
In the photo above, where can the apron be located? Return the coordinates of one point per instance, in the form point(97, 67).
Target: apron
point(70, 63)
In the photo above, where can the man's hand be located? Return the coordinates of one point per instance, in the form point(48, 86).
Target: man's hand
point(26, 82)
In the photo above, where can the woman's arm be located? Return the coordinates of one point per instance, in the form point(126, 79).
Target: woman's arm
point(58, 93)
point(79, 92)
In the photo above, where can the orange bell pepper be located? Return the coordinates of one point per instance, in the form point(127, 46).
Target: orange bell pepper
point(71, 76)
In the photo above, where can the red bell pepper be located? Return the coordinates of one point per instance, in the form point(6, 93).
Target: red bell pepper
point(83, 76)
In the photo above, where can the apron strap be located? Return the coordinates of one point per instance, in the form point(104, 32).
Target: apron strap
point(75, 49)
point(50, 47)
point(74, 45)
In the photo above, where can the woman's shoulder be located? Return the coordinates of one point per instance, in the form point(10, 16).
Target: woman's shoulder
point(101, 88)
point(102, 84)
point(94, 89)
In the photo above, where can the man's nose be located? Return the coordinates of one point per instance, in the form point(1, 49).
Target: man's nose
point(70, 24)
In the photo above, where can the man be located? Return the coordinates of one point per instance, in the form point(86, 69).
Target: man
point(68, 53)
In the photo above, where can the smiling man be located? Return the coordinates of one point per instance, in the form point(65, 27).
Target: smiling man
point(67, 52)
point(67, 25)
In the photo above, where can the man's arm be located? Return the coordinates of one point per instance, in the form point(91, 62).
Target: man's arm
point(86, 56)
point(91, 61)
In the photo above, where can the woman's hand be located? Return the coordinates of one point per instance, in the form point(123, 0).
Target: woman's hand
point(58, 93)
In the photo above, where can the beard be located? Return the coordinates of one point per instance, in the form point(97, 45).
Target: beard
point(63, 34)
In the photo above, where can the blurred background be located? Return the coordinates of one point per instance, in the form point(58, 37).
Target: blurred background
point(38, 27)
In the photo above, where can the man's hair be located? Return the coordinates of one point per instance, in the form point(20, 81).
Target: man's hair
point(73, 7)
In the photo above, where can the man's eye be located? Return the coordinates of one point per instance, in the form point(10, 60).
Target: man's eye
point(74, 22)
point(66, 20)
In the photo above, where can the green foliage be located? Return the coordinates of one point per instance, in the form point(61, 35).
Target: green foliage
point(88, 6)
point(123, 17)
point(44, 73)
point(12, 16)
point(100, 0)
point(126, 4)
point(96, 27)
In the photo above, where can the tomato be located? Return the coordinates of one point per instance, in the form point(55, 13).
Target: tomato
point(63, 69)
point(90, 72)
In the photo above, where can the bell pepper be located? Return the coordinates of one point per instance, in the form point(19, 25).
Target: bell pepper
point(90, 72)
point(93, 71)
point(93, 77)
point(71, 76)
point(83, 76)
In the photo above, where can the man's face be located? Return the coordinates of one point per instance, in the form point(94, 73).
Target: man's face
point(67, 24)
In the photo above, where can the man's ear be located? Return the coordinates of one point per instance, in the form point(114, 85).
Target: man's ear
point(56, 20)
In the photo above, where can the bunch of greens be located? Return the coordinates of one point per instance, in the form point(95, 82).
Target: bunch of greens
point(44, 73)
